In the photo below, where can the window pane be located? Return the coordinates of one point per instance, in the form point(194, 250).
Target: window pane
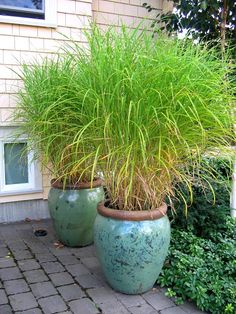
point(23, 4)
point(23, 8)
point(16, 163)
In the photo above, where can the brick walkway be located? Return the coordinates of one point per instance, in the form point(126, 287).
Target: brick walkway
point(36, 277)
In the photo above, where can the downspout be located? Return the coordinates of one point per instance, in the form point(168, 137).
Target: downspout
point(224, 16)
point(233, 193)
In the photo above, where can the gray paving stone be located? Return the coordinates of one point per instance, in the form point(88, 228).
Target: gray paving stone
point(52, 304)
point(83, 306)
point(173, 310)
point(2, 243)
point(190, 308)
point(89, 281)
point(143, 309)
point(45, 257)
point(52, 267)
point(33, 276)
point(6, 309)
point(113, 308)
point(102, 295)
point(22, 301)
point(8, 233)
point(77, 269)
point(158, 300)
point(3, 252)
point(43, 289)
point(3, 297)
point(32, 242)
point(17, 245)
point(68, 259)
point(19, 255)
point(90, 262)
point(130, 300)
point(60, 251)
point(39, 248)
point(28, 264)
point(7, 262)
point(76, 261)
point(71, 292)
point(16, 286)
point(10, 273)
point(61, 279)
point(32, 311)
point(87, 251)
point(100, 276)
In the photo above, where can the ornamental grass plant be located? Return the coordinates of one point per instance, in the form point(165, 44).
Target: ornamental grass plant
point(139, 110)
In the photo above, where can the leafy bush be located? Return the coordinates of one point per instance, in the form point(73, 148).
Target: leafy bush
point(208, 212)
point(203, 270)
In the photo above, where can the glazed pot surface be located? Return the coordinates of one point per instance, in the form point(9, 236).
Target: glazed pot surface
point(131, 253)
point(73, 213)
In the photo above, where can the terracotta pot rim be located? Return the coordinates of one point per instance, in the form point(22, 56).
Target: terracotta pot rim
point(136, 215)
point(98, 182)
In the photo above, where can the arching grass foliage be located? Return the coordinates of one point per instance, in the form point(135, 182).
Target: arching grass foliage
point(139, 110)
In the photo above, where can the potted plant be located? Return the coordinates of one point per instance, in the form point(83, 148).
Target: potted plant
point(160, 104)
point(53, 112)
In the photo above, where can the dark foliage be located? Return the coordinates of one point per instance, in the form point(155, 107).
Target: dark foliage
point(204, 19)
point(202, 270)
point(209, 210)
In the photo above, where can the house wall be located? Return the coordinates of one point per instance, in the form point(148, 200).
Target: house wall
point(24, 43)
point(128, 12)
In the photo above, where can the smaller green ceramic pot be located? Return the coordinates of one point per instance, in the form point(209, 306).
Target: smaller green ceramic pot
point(73, 211)
point(131, 247)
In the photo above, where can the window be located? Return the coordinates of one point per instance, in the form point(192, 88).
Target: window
point(23, 8)
point(29, 12)
point(19, 173)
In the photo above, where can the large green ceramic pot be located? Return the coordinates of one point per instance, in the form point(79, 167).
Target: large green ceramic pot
point(73, 210)
point(131, 247)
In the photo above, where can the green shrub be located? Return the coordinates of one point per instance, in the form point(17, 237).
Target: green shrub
point(208, 212)
point(203, 270)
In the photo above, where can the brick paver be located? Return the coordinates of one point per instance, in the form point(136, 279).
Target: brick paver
point(22, 301)
point(83, 306)
point(53, 304)
point(29, 264)
point(71, 292)
point(3, 297)
point(143, 309)
point(43, 289)
point(52, 267)
point(157, 300)
point(61, 279)
point(33, 276)
point(38, 278)
point(7, 262)
point(6, 309)
point(16, 286)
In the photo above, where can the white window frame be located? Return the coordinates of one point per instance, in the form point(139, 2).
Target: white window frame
point(34, 176)
point(50, 19)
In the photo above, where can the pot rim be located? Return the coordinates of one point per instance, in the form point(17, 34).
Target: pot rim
point(136, 215)
point(98, 182)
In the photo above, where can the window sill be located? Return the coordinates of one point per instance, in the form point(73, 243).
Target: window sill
point(12, 193)
point(27, 21)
